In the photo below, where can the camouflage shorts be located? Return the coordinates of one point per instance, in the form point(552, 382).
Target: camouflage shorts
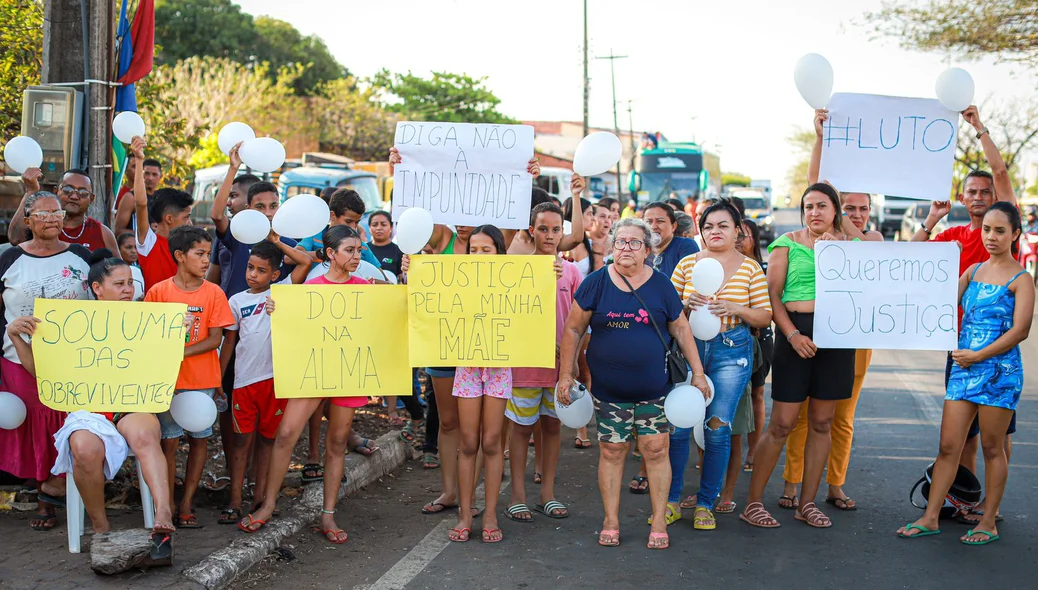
point(617, 422)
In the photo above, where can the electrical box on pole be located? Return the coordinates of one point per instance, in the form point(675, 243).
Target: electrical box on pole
point(53, 116)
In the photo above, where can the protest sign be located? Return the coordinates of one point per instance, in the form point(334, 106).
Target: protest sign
point(892, 295)
point(889, 145)
point(108, 356)
point(481, 311)
point(465, 174)
point(340, 341)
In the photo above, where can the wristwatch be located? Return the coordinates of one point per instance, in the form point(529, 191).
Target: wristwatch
point(982, 132)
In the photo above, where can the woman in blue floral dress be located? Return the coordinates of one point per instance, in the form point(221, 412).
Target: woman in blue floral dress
point(997, 299)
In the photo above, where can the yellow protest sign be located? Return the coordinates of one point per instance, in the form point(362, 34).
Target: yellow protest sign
point(481, 311)
point(108, 356)
point(340, 340)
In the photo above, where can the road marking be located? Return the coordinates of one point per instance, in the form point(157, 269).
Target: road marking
point(429, 548)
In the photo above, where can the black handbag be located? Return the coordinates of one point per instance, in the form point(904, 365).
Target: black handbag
point(677, 366)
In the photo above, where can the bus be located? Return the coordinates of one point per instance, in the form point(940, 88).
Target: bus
point(683, 168)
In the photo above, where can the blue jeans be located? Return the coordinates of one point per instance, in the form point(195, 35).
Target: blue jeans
point(728, 360)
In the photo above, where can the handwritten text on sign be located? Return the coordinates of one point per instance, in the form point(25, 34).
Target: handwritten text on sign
point(893, 295)
point(465, 174)
point(481, 311)
point(108, 356)
point(340, 341)
point(890, 146)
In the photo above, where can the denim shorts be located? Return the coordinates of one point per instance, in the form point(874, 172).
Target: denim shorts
point(170, 428)
point(441, 372)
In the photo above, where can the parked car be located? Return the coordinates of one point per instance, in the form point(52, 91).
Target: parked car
point(758, 209)
point(888, 212)
point(916, 214)
point(555, 181)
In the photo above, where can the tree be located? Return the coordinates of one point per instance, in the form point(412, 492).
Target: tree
point(280, 44)
point(734, 179)
point(1013, 126)
point(218, 28)
point(444, 97)
point(1007, 29)
point(21, 58)
point(802, 141)
point(352, 123)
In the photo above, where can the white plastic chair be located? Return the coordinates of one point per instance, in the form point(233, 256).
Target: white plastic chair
point(75, 511)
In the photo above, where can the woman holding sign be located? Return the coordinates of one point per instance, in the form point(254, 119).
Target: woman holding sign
point(97, 444)
point(987, 378)
point(43, 267)
point(801, 370)
point(341, 250)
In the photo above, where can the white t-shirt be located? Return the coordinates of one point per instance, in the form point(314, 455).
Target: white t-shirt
point(253, 361)
point(25, 277)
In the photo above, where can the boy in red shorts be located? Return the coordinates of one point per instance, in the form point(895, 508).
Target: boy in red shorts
point(254, 407)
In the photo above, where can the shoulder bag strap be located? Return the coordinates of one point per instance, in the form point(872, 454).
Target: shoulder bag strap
point(651, 319)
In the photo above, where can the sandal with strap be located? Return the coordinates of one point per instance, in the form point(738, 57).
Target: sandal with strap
point(515, 510)
point(366, 448)
point(336, 536)
point(844, 503)
point(609, 538)
point(161, 546)
point(430, 461)
point(757, 515)
point(246, 524)
point(658, 541)
point(553, 509)
point(312, 472)
point(671, 516)
point(789, 502)
point(640, 485)
point(409, 434)
point(581, 443)
point(921, 531)
point(703, 519)
point(726, 508)
point(229, 516)
point(457, 535)
point(688, 502)
point(991, 537)
point(492, 535)
point(810, 514)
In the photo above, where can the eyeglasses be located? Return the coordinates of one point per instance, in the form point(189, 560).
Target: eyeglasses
point(633, 245)
point(48, 215)
point(68, 191)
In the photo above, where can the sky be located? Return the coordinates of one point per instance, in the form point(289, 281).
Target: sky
point(720, 73)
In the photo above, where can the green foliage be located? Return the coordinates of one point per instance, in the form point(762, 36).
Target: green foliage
point(21, 58)
point(444, 97)
point(208, 153)
point(734, 179)
point(801, 141)
point(280, 44)
point(1007, 29)
point(352, 123)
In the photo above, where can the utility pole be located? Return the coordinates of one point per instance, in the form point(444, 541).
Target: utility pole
point(586, 79)
point(630, 130)
point(616, 124)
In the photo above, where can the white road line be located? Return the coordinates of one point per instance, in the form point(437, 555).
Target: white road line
point(428, 549)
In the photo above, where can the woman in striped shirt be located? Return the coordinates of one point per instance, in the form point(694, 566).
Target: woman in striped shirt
point(742, 303)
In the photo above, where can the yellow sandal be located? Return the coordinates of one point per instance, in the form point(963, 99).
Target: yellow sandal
point(672, 515)
point(703, 523)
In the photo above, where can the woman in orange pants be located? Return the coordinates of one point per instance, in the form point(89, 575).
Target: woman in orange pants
point(839, 454)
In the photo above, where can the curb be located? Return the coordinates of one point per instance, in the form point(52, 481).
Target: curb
point(221, 567)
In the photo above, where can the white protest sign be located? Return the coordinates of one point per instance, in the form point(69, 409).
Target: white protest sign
point(890, 146)
point(892, 295)
point(465, 174)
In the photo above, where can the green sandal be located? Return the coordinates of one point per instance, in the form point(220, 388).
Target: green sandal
point(923, 531)
point(991, 538)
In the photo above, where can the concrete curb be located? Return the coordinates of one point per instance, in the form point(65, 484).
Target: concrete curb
point(220, 568)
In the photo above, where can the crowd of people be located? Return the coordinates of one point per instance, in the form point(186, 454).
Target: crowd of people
point(624, 292)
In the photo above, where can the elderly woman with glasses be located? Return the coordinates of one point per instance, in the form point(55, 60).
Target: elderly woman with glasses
point(634, 312)
point(43, 267)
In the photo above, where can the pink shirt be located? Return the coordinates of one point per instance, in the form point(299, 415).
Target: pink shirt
point(344, 402)
point(565, 290)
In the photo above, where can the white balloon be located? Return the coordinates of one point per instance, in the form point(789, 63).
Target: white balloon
point(12, 411)
point(250, 226)
point(705, 325)
point(194, 411)
point(684, 406)
point(413, 230)
point(567, 227)
point(22, 153)
point(814, 79)
point(597, 153)
point(580, 410)
point(231, 134)
point(707, 276)
point(128, 125)
point(955, 89)
point(699, 434)
point(366, 270)
point(301, 216)
point(262, 154)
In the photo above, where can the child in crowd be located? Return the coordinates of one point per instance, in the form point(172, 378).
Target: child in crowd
point(482, 394)
point(170, 208)
point(208, 314)
point(128, 252)
point(388, 254)
point(342, 253)
point(253, 405)
point(533, 396)
point(346, 207)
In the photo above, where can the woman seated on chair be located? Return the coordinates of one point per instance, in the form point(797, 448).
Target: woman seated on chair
point(94, 446)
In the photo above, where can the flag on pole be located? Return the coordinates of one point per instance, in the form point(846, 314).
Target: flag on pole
point(136, 52)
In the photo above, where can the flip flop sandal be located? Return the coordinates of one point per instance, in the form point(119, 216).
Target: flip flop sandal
point(430, 508)
point(161, 545)
point(991, 537)
point(367, 447)
point(637, 488)
point(230, 516)
point(747, 467)
point(188, 521)
point(582, 443)
point(707, 522)
point(794, 502)
point(515, 510)
point(688, 502)
point(726, 508)
point(335, 535)
point(316, 472)
point(489, 535)
point(459, 535)
point(810, 514)
point(923, 531)
point(43, 522)
point(609, 538)
point(58, 501)
point(246, 527)
point(842, 503)
point(548, 509)
point(216, 484)
point(653, 537)
point(757, 515)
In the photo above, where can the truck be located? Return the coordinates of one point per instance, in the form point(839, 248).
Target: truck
point(888, 212)
point(758, 209)
point(674, 167)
